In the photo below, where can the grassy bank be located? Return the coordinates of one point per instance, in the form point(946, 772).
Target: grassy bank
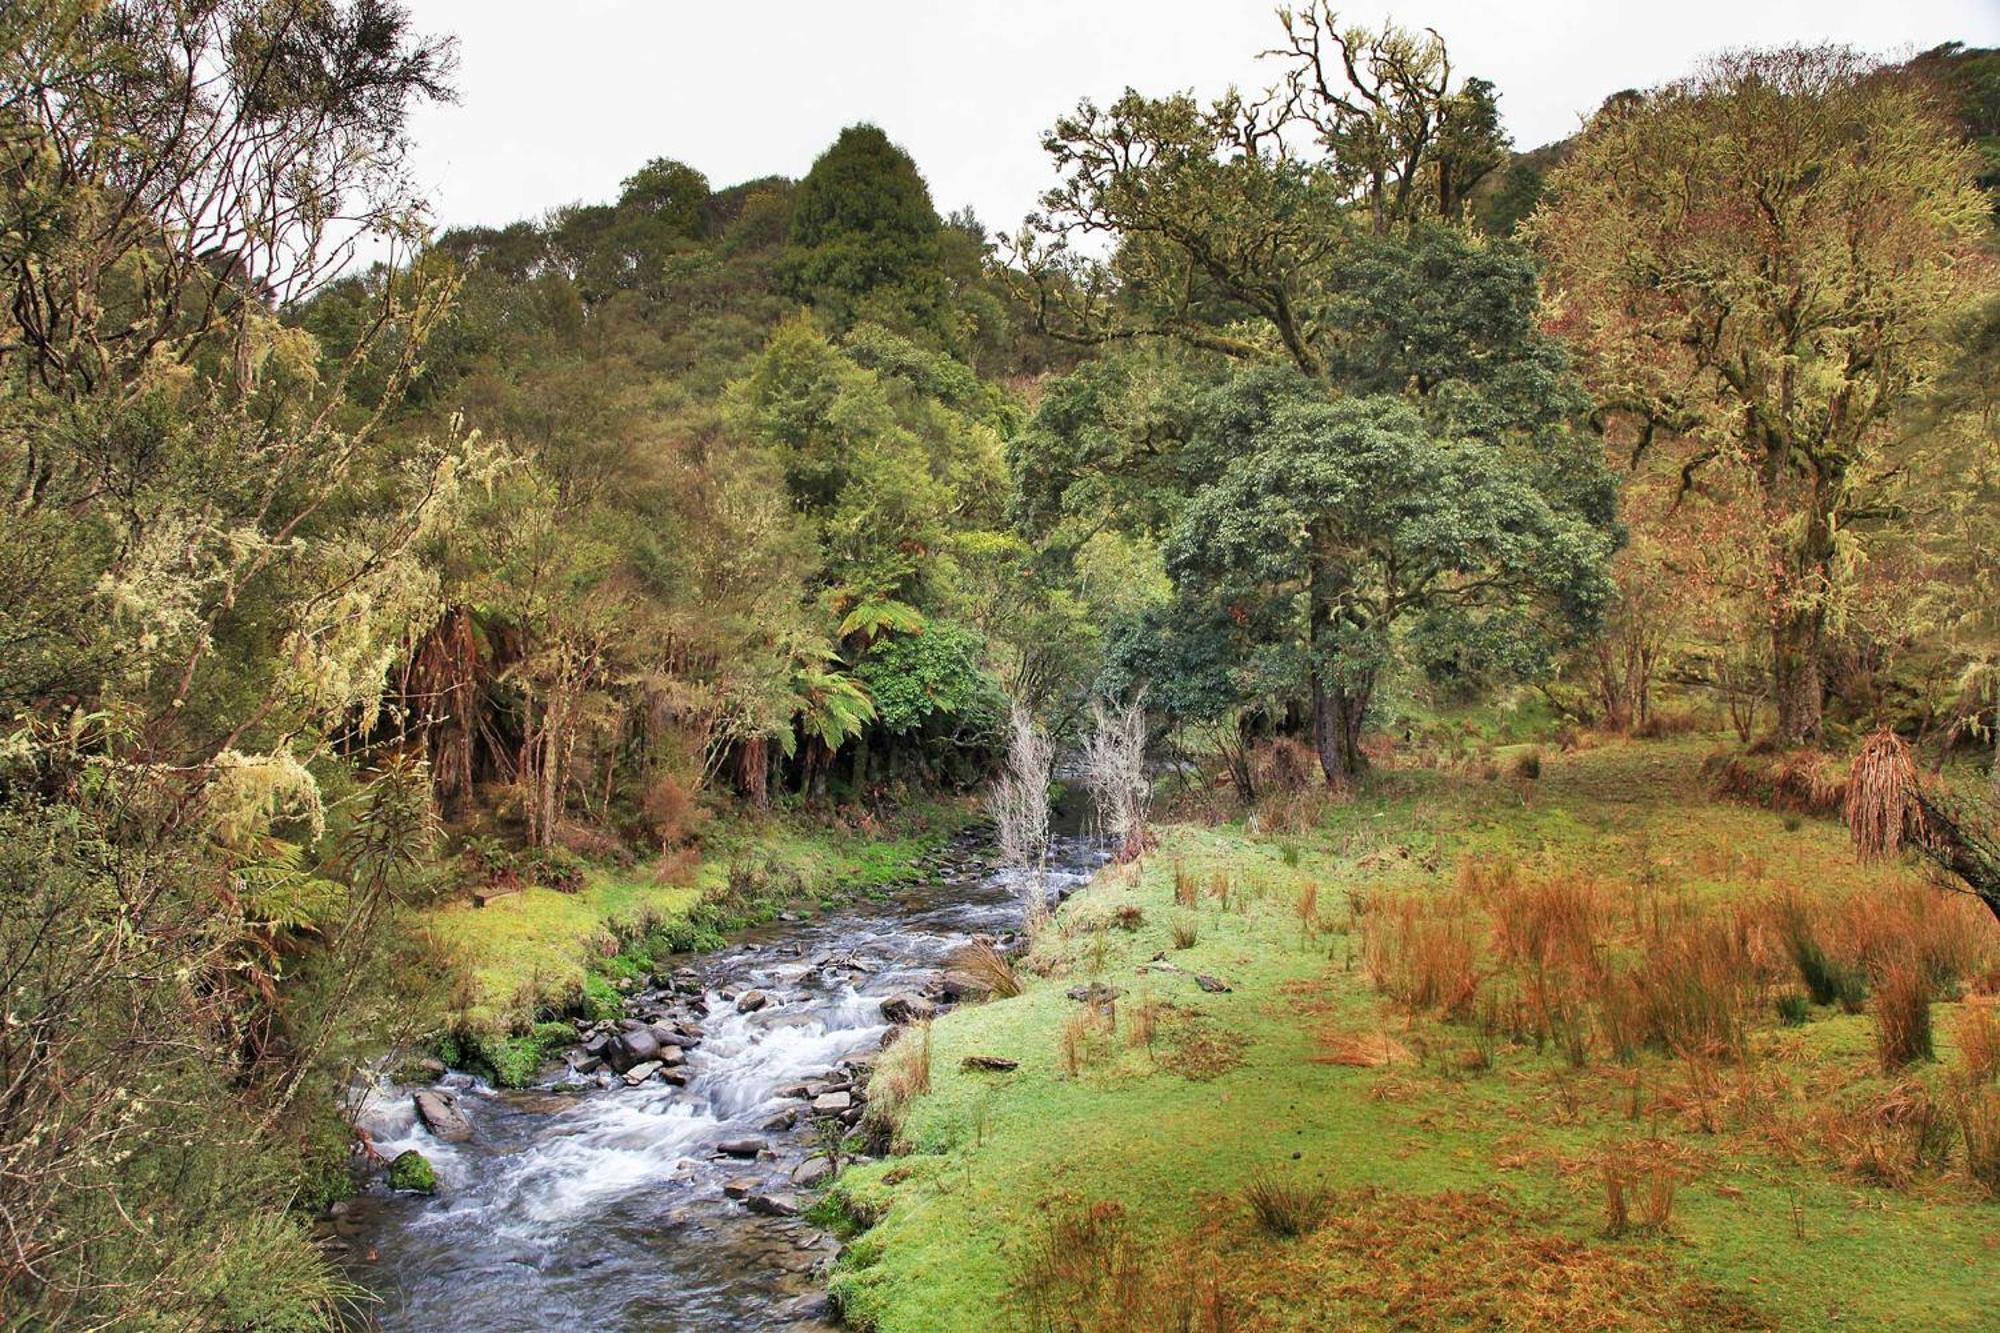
point(1401, 1114)
point(539, 952)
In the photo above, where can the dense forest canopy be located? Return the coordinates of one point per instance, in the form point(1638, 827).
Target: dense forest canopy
point(1301, 413)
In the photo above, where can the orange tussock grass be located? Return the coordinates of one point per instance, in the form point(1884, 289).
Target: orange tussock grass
point(1420, 952)
point(1902, 1011)
point(1978, 1032)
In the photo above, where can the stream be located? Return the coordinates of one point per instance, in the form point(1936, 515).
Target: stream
point(643, 1207)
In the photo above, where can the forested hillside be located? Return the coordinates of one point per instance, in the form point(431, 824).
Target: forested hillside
point(415, 658)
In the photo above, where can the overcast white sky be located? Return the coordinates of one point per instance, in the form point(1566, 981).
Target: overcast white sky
point(560, 102)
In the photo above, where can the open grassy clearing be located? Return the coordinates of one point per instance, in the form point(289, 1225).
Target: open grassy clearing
point(1510, 1052)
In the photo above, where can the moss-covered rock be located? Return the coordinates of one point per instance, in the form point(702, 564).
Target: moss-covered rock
point(412, 1171)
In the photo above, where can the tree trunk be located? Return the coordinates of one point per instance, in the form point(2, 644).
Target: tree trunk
point(1338, 716)
point(1798, 641)
point(1798, 616)
point(753, 771)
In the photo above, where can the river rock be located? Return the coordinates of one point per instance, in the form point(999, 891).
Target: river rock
point(676, 1075)
point(797, 1090)
point(812, 1173)
point(412, 1174)
point(639, 1073)
point(907, 1008)
point(438, 1109)
point(750, 1001)
point(741, 1188)
point(780, 1122)
point(773, 1205)
point(740, 1147)
point(632, 1048)
point(832, 1103)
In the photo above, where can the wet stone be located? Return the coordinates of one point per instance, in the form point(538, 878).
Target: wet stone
point(638, 1074)
point(741, 1188)
point(829, 1103)
point(751, 1001)
point(740, 1147)
point(773, 1205)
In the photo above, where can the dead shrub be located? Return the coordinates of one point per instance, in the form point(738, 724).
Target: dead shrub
point(670, 812)
point(1902, 1014)
point(1637, 1178)
point(1804, 782)
point(1141, 1021)
point(1081, 1270)
point(1187, 889)
point(1295, 812)
point(1285, 1207)
point(1081, 1040)
point(1307, 909)
point(987, 970)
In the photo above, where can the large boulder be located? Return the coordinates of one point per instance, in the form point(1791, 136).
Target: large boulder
point(750, 1001)
point(411, 1171)
point(438, 1109)
point(907, 1008)
point(632, 1048)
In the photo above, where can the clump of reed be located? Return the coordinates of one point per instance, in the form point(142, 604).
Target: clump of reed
point(1283, 1206)
point(985, 969)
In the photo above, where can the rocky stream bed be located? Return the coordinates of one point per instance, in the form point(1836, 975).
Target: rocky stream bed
point(657, 1176)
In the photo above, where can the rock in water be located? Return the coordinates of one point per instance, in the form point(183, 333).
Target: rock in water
point(750, 1001)
point(638, 1074)
point(740, 1147)
point(438, 1109)
point(832, 1103)
point(411, 1171)
point(632, 1048)
point(812, 1173)
point(773, 1205)
point(907, 1008)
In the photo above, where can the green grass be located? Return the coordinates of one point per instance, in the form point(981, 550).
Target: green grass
point(537, 952)
point(1231, 1087)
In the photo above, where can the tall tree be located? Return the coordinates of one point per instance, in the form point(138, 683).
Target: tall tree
point(1757, 266)
point(1232, 220)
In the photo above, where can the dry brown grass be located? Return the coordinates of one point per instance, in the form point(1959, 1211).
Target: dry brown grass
point(1977, 1031)
point(1361, 1050)
point(1420, 951)
point(985, 969)
point(1978, 1113)
point(1187, 889)
point(902, 1074)
point(1902, 1012)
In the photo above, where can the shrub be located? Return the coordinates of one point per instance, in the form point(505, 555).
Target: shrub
point(1284, 1207)
point(1903, 1014)
point(1529, 765)
point(555, 868)
point(1186, 929)
point(1793, 1008)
